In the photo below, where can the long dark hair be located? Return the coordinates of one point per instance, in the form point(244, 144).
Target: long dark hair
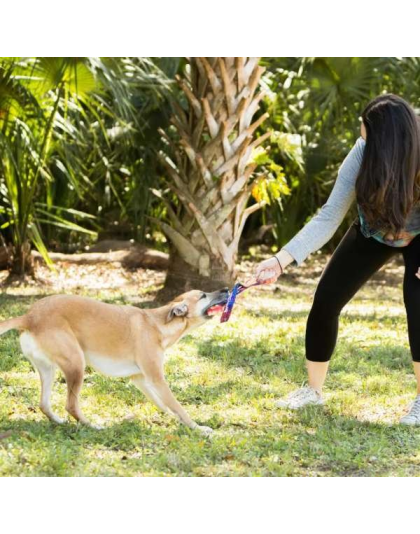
point(388, 183)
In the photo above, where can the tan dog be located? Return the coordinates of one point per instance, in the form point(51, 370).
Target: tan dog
point(69, 332)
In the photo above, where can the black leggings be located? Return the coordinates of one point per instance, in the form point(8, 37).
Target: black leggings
point(354, 261)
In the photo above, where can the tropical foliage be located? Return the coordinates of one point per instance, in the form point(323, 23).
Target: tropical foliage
point(68, 128)
point(82, 155)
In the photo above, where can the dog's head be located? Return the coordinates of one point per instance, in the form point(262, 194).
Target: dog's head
point(196, 307)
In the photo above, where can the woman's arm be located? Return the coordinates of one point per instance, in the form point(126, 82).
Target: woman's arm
point(320, 229)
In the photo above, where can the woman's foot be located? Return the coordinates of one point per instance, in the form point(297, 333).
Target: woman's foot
point(413, 416)
point(301, 397)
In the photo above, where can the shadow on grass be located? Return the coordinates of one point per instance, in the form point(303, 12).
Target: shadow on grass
point(303, 315)
point(311, 441)
point(60, 450)
point(265, 355)
point(115, 435)
point(347, 446)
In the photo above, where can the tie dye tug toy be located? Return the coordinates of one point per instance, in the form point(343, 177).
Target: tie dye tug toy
point(227, 308)
point(236, 290)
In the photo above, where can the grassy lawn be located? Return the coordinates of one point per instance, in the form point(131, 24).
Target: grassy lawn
point(227, 376)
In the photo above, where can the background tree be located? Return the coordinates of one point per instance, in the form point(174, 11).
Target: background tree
point(209, 167)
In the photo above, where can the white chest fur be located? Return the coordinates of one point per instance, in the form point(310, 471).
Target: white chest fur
point(111, 367)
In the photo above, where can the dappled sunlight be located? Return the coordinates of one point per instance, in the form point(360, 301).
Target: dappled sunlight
point(228, 376)
point(102, 280)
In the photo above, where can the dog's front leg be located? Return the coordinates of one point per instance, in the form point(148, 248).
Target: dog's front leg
point(169, 400)
point(158, 391)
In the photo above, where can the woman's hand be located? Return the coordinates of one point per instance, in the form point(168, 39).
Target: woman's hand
point(418, 273)
point(269, 270)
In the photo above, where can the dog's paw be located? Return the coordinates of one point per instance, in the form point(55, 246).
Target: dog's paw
point(57, 420)
point(90, 425)
point(204, 430)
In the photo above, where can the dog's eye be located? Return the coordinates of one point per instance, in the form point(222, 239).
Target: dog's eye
point(203, 296)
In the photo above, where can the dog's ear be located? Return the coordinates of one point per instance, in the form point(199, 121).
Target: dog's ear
point(180, 309)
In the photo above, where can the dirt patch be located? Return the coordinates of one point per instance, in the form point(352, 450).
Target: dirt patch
point(143, 284)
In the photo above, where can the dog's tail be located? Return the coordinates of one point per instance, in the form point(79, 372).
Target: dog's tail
point(17, 323)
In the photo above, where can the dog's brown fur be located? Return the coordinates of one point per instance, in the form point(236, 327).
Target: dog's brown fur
point(69, 332)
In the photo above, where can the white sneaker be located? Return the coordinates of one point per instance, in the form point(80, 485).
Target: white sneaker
point(413, 416)
point(301, 397)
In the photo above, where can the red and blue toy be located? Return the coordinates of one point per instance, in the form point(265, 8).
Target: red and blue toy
point(236, 290)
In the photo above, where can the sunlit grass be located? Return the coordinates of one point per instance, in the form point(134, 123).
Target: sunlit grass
point(228, 376)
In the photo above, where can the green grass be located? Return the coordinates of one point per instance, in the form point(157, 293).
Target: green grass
point(228, 376)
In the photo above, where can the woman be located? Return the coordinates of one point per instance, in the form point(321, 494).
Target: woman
point(382, 172)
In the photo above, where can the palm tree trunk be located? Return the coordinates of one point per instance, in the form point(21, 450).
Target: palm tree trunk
point(209, 170)
point(182, 276)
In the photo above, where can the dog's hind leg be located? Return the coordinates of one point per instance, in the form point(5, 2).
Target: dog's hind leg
point(46, 370)
point(74, 371)
point(47, 374)
point(69, 357)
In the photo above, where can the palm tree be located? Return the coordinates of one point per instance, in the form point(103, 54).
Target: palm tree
point(209, 169)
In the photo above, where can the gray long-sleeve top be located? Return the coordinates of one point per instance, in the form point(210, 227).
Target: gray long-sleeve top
point(320, 229)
